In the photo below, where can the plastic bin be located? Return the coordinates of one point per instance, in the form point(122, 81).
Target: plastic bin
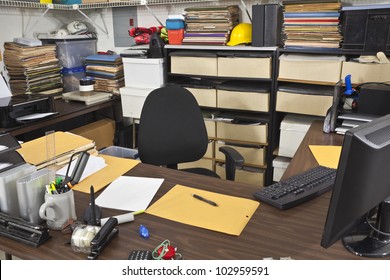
point(121, 152)
point(175, 37)
point(72, 53)
point(71, 78)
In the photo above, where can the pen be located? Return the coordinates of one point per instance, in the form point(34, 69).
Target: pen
point(204, 200)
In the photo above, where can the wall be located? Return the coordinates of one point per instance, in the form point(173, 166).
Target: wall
point(30, 22)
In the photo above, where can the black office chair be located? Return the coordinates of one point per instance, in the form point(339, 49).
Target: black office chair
point(172, 131)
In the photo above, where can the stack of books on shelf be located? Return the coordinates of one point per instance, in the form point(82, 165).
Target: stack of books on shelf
point(210, 25)
point(107, 71)
point(32, 69)
point(312, 25)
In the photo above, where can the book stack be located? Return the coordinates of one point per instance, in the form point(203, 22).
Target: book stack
point(210, 25)
point(107, 71)
point(32, 69)
point(312, 25)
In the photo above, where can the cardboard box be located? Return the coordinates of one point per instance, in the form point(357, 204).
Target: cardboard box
point(321, 69)
point(211, 128)
point(206, 97)
point(133, 100)
point(293, 129)
point(252, 155)
point(253, 177)
point(195, 63)
point(366, 72)
point(251, 101)
point(316, 105)
point(280, 165)
point(102, 132)
point(244, 67)
point(256, 134)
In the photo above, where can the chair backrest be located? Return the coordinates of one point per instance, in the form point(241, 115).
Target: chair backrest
point(171, 129)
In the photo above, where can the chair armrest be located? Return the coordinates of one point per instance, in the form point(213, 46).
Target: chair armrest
point(233, 161)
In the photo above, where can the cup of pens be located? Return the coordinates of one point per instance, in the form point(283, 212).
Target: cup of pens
point(59, 206)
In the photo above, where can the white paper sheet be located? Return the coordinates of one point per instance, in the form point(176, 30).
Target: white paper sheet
point(94, 164)
point(129, 193)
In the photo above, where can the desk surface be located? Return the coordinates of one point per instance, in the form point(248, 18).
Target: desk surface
point(66, 110)
point(271, 232)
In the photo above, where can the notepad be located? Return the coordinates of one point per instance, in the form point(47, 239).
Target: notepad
point(230, 216)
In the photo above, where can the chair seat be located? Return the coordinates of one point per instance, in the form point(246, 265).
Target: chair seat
point(201, 171)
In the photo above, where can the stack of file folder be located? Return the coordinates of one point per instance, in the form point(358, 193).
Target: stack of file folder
point(107, 70)
point(312, 25)
point(210, 25)
point(33, 69)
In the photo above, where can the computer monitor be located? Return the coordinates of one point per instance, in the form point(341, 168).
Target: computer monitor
point(359, 209)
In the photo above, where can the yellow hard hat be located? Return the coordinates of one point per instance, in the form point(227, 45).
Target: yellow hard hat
point(241, 34)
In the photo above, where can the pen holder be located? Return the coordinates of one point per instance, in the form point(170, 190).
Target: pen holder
point(58, 209)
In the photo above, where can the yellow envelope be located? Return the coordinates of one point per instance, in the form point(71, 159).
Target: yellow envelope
point(328, 156)
point(230, 216)
point(116, 167)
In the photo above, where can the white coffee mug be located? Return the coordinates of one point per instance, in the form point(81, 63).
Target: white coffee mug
point(58, 209)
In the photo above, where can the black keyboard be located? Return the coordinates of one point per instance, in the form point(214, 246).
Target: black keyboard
point(299, 188)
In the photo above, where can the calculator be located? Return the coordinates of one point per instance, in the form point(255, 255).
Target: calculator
point(140, 255)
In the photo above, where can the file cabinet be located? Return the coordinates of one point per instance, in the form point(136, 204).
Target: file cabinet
point(234, 86)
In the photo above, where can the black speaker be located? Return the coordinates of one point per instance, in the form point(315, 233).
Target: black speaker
point(267, 21)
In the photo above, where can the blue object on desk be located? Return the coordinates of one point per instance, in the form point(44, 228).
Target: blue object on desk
point(143, 231)
point(348, 85)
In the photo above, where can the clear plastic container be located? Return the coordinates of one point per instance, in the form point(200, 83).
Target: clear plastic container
point(121, 152)
point(73, 53)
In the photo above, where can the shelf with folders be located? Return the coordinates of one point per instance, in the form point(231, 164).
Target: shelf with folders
point(100, 5)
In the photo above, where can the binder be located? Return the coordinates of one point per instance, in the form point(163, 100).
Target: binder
point(272, 25)
point(258, 25)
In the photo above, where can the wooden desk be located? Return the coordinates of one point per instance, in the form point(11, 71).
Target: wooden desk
point(271, 232)
point(66, 111)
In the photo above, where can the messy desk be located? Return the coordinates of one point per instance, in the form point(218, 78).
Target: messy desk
point(294, 233)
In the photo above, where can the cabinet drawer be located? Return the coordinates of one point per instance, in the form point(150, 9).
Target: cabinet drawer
point(240, 132)
point(251, 101)
point(210, 150)
point(206, 97)
point(211, 128)
point(323, 70)
point(252, 155)
point(316, 105)
point(244, 67)
point(366, 72)
point(197, 64)
point(244, 176)
point(204, 163)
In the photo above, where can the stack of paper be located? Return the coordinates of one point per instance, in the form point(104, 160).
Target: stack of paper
point(107, 70)
point(314, 25)
point(33, 69)
point(210, 25)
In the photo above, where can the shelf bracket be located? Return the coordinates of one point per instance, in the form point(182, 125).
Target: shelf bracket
point(28, 30)
point(105, 31)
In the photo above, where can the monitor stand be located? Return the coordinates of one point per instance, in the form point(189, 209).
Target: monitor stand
point(370, 243)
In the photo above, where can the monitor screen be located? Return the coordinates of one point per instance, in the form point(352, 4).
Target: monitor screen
point(359, 209)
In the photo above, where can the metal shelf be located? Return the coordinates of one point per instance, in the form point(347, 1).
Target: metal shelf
point(101, 5)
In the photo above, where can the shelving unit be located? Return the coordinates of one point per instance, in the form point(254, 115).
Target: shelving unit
point(231, 83)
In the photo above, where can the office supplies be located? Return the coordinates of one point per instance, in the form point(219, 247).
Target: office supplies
point(89, 98)
point(204, 199)
point(14, 107)
point(93, 239)
point(140, 255)
point(143, 231)
point(230, 217)
point(298, 189)
point(124, 218)
point(129, 193)
point(22, 231)
point(77, 171)
point(93, 212)
point(31, 194)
